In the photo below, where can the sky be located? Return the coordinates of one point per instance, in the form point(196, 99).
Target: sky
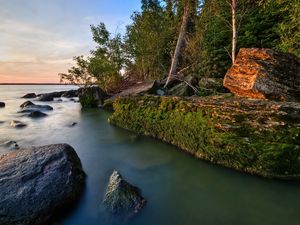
point(39, 38)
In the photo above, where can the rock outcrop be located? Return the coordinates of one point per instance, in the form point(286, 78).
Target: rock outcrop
point(2, 104)
point(30, 95)
point(36, 183)
point(255, 136)
point(122, 197)
point(264, 74)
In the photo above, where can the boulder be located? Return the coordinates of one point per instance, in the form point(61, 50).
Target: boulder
point(70, 94)
point(30, 108)
point(2, 104)
point(264, 74)
point(27, 103)
point(48, 97)
point(122, 197)
point(17, 124)
point(37, 114)
point(38, 183)
point(146, 87)
point(91, 96)
point(29, 95)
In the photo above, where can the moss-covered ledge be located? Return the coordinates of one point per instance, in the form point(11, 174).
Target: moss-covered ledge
point(255, 136)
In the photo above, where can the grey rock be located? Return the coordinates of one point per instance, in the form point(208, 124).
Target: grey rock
point(32, 108)
point(122, 197)
point(70, 94)
point(37, 183)
point(27, 103)
point(29, 95)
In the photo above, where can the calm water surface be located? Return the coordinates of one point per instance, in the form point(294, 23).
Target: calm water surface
point(180, 189)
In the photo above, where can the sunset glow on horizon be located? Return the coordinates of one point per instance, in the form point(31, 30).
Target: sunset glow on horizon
point(40, 38)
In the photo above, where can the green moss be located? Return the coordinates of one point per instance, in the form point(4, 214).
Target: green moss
point(232, 138)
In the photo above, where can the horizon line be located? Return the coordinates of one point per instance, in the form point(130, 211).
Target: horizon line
point(36, 84)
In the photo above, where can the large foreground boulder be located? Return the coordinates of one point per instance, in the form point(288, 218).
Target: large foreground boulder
point(122, 197)
point(36, 183)
point(264, 74)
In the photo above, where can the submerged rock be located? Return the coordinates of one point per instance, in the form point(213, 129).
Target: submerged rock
point(17, 124)
point(264, 74)
point(12, 145)
point(37, 183)
point(30, 95)
point(122, 197)
point(2, 104)
point(28, 106)
point(37, 114)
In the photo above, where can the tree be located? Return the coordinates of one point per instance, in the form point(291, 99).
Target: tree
point(103, 66)
point(189, 5)
point(234, 30)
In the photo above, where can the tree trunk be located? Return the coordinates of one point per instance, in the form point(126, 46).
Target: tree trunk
point(234, 31)
point(180, 44)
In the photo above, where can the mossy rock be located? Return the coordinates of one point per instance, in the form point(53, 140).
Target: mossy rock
point(121, 197)
point(255, 136)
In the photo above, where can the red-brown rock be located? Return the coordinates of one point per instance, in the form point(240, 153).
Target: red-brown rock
point(264, 74)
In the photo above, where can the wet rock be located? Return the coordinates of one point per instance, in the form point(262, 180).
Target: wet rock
point(2, 104)
point(46, 98)
point(122, 197)
point(264, 74)
point(70, 94)
point(26, 104)
point(37, 183)
point(91, 97)
point(17, 124)
point(73, 124)
point(31, 108)
point(37, 114)
point(30, 95)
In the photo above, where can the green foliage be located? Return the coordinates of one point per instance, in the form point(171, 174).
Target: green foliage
point(104, 64)
point(194, 128)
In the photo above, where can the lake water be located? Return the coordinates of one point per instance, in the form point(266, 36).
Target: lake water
point(180, 189)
